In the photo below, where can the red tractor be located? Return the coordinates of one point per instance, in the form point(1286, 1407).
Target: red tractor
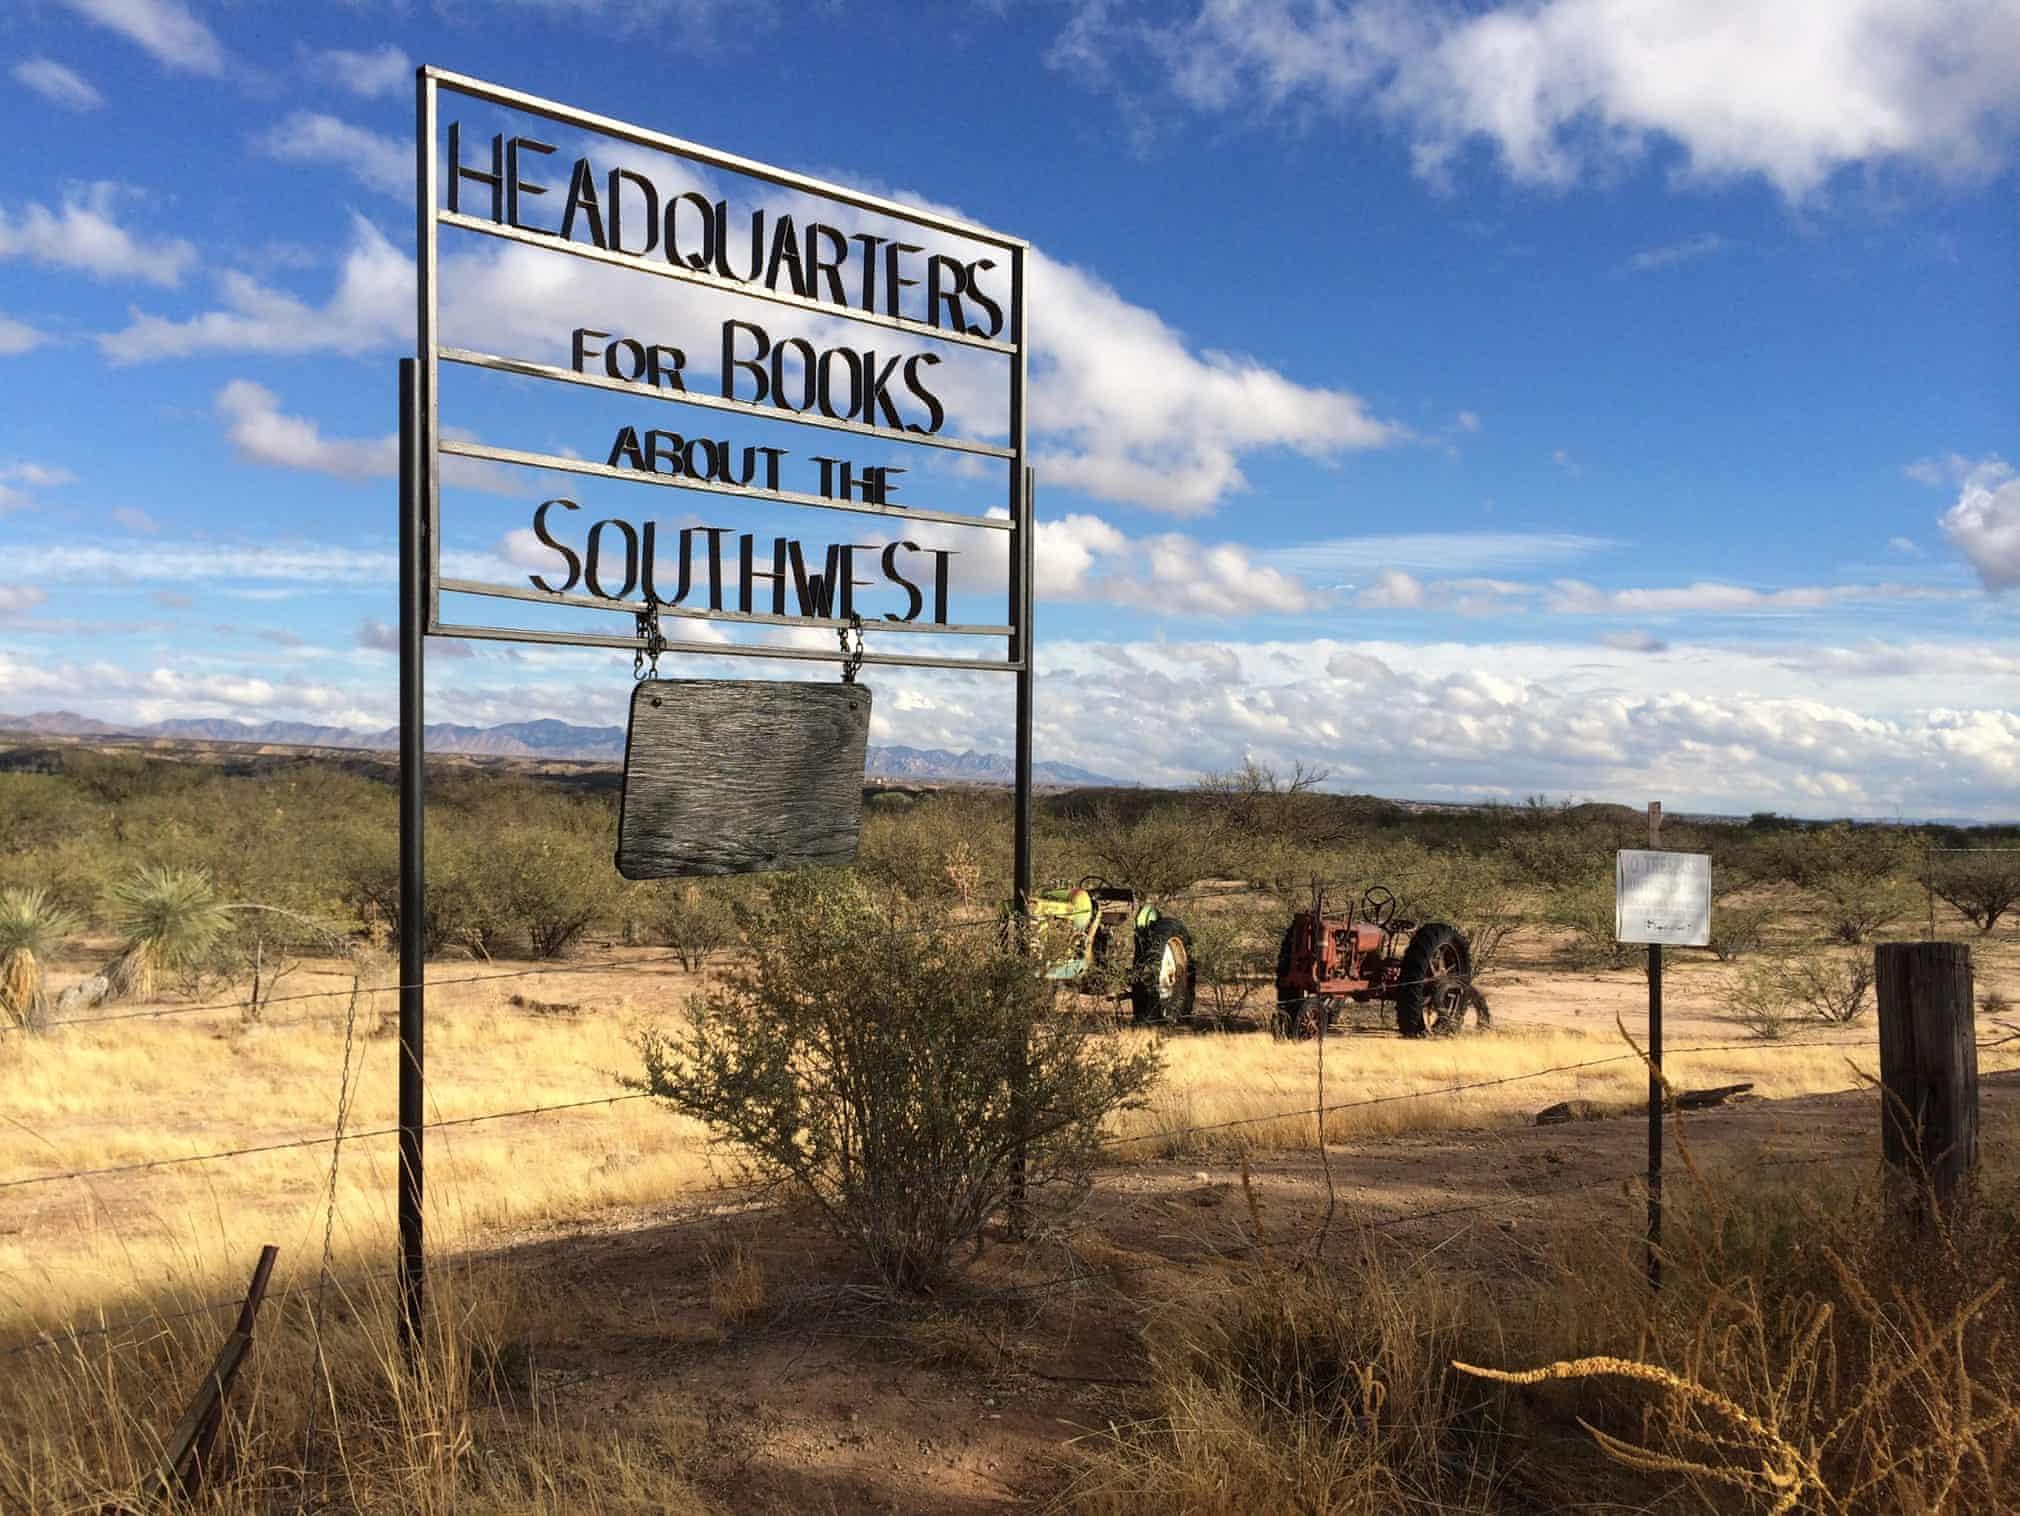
point(1369, 955)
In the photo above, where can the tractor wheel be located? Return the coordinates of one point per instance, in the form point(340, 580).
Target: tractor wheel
point(1290, 1001)
point(1437, 976)
point(1161, 985)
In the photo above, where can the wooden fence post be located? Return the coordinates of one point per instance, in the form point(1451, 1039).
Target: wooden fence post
point(1928, 1062)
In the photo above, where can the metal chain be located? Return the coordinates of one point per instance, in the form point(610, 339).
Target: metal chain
point(645, 661)
point(852, 659)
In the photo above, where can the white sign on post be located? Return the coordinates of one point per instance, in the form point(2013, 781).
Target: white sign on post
point(1662, 897)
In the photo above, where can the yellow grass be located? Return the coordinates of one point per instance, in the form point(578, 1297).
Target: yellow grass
point(139, 1091)
point(147, 1090)
point(1236, 1082)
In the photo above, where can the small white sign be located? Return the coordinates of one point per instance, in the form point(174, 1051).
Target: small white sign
point(1662, 897)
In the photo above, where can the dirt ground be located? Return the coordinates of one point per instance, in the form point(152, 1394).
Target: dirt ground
point(828, 1400)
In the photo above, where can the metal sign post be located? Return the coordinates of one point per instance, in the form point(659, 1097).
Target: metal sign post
point(1659, 898)
point(931, 288)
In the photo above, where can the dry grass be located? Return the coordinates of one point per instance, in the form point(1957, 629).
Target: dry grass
point(143, 1091)
point(1238, 1082)
point(1812, 1350)
point(473, 1430)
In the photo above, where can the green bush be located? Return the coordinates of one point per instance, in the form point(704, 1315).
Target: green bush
point(1586, 912)
point(1738, 929)
point(884, 1066)
point(1769, 994)
point(1234, 958)
point(697, 922)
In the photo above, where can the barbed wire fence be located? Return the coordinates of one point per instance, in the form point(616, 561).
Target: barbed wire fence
point(143, 1328)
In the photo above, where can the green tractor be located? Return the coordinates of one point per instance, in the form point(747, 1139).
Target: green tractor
point(1103, 934)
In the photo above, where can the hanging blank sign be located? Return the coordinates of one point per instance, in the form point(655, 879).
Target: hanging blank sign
point(726, 776)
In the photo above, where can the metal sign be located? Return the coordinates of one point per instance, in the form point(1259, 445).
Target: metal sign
point(741, 240)
point(926, 296)
point(1662, 898)
point(725, 776)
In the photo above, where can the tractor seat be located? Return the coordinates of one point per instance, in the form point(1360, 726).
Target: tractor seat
point(1074, 906)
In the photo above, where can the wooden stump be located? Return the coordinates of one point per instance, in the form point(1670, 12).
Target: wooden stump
point(1928, 1062)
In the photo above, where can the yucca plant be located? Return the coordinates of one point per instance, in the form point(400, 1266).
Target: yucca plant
point(170, 918)
point(32, 925)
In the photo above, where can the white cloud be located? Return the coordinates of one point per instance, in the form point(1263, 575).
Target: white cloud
point(1635, 642)
point(183, 562)
point(1146, 419)
point(1566, 462)
point(1949, 468)
point(1468, 422)
point(1342, 558)
point(1719, 728)
point(1677, 252)
point(41, 475)
point(84, 235)
point(1393, 590)
point(164, 28)
point(383, 70)
point(261, 433)
point(57, 84)
point(1082, 557)
point(1123, 408)
point(1906, 546)
point(376, 161)
point(1572, 597)
point(1792, 93)
point(1985, 522)
point(18, 337)
point(35, 476)
point(135, 520)
point(16, 598)
point(371, 308)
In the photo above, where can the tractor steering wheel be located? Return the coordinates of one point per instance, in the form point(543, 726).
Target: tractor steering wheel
point(1092, 882)
point(1378, 906)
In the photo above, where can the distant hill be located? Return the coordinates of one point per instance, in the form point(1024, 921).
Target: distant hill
point(531, 739)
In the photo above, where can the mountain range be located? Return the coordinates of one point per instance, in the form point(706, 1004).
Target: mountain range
point(556, 740)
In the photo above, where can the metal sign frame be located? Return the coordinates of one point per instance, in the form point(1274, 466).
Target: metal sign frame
point(423, 447)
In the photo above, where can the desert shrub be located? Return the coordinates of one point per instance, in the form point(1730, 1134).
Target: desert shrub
point(1758, 997)
point(33, 925)
point(171, 918)
point(962, 871)
point(884, 1066)
point(544, 884)
point(1164, 851)
point(1769, 994)
point(1738, 929)
point(1234, 952)
point(1258, 801)
point(1980, 887)
point(1834, 988)
point(1586, 912)
point(365, 865)
point(1854, 906)
point(696, 922)
point(1557, 855)
point(1858, 876)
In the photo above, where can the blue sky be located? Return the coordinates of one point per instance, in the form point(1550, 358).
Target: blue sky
point(1596, 398)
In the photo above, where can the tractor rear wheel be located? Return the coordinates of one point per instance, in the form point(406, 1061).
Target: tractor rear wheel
point(1437, 982)
point(1161, 986)
point(1290, 1000)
